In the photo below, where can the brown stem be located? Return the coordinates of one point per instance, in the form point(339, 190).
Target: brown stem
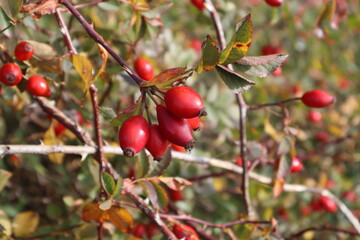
point(279, 104)
point(145, 208)
point(100, 228)
point(64, 30)
point(95, 36)
point(322, 228)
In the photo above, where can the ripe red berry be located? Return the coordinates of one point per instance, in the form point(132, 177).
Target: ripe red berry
point(328, 204)
point(350, 196)
point(133, 135)
point(183, 102)
point(268, 50)
point(151, 230)
point(277, 72)
point(144, 69)
point(314, 116)
point(10, 74)
point(296, 90)
point(316, 205)
point(199, 4)
point(317, 99)
point(24, 51)
point(139, 230)
point(274, 3)
point(184, 231)
point(157, 144)
point(59, 129)
point(196, 44)
point(177, 148)
point(175, 130)
point(239, 161)
point(194, 123)
point(37, 85)
point(296, 165)
point(175, 196)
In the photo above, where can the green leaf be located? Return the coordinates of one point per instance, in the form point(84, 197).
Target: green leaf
point(118, 187)
point(161, 165)
point(142, 165)
point(11, 7)
point(4, 178)
point(233, 80)
point(130, 111)
point(107, 113)
point(108, 182)
point(260, 66)
point(161, 195)
point(210, 55)
point(240, 42)
point(285, 145)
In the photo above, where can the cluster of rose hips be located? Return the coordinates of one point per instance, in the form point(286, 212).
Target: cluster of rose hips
point(181, 231)
point(177, 118)
point(11, 75)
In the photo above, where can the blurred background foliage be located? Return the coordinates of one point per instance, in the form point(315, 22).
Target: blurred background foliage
point(323, 54)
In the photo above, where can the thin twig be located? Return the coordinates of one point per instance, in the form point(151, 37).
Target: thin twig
point(210, 224)
point(95, 36)
point(145, 208)
point(321, 229)
point(64, 30)
point(278, 104)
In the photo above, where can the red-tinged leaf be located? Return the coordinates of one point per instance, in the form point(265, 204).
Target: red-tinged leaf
point(240, 42)
point(260, 66)
point(325, 19)
point(233, 80)
point(130, 111)
point(174, 183)
point(11, 7)
point(41, 8)
point(167, 78)
point(210, 55)
point(278, 187)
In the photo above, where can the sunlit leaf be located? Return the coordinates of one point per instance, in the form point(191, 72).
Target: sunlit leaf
point(142, 164)
point(240, 42)
point(130, 111)
point(174, 183)
point(210, 55)
point(25, 223)
point(161, 165)
point(108, 182)
point(260, 66)
point(165, 79)
point(92, 212)
point(121, 219)
point(50, 138)
point(11, 7)
point(84, 68)
point(4, 178)
point(233, 80)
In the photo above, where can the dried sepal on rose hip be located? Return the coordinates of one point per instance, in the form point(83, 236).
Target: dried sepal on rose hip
point(176, 130)
point(24, 51)
point(10, 74)
point(317, 99)
point(184, 102)
point(133, 135)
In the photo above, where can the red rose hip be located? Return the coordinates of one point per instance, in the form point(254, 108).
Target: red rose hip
point(10, 74)
point(194, 123)
point(144, 69)
point(328, 204)
point(274, 3)
point(317, 99)
point(183, 102)
point(37, 85)
point(24, 51)
point(199, 4)
point(157, 144)
point(314, 116)
point(133, 135)
point(175, 130)
point(139, 230)
point(296, 165)
point(184, 231)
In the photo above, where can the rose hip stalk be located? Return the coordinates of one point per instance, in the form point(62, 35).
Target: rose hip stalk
point(175, 130)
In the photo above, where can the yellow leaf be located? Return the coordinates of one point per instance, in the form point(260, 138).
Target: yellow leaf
point(93, 212)
point(278, 187)
point(25, 223)
point(121, 219)
point(51, 139)
point(6, 223)
point(84, 68)
point(104, 55)
point(269, 129)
